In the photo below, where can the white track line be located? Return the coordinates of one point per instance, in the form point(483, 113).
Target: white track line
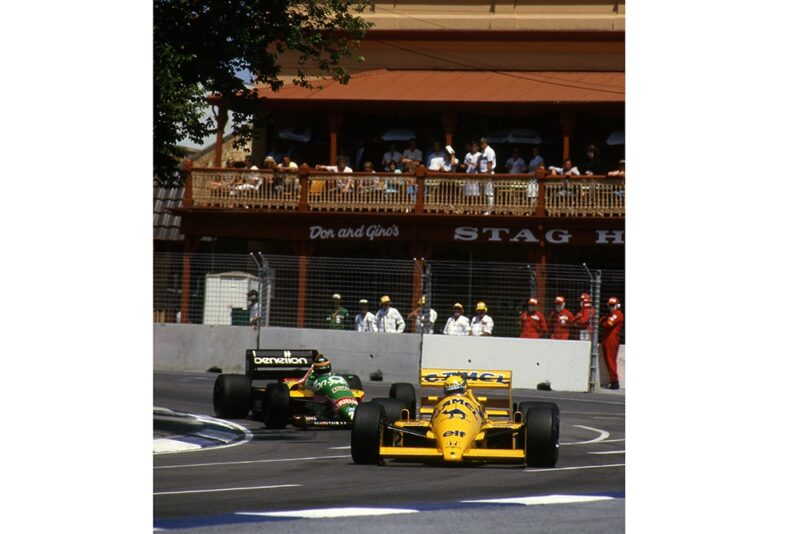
point(333, 512)
point(545, 499)
point(577, 468)
point(607, 452)
point(346, 447)
point(242, 462)
point(602, 437)
point(226, 489)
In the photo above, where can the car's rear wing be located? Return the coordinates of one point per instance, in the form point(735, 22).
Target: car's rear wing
point(489, 379)
point(476, 379)
point(266, 364)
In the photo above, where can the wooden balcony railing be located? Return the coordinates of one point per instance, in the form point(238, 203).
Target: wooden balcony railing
point(442, 193)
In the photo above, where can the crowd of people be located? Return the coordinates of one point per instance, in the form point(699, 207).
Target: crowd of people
point(478, 158)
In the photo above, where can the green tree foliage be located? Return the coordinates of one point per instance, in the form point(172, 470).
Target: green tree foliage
point(200, 46)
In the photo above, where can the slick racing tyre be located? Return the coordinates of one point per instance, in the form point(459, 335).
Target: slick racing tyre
point(393, 409)
point(232, 396)
point(542, 427)
point(405, 392)
point(277, 405)
point(365, 436)
point(354, 382)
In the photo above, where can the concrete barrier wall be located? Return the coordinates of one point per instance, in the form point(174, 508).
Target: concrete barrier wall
point(565, 364)
point(181, 347)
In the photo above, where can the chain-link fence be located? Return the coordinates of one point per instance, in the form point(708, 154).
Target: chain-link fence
point(295, 291)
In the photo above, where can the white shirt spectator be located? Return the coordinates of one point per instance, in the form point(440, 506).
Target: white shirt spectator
point(366, 322)
point(334, 168)
point(488, 156)
point(390, 320)
point(425, 324)
point(471, 161)
point(480, 325)
point(457, 327)
point(437, 158)
point(516, 165)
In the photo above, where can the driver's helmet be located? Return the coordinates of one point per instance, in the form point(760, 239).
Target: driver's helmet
point(322, 365)
point(455, 385)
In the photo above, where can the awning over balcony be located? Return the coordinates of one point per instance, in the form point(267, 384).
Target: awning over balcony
point(460, 87)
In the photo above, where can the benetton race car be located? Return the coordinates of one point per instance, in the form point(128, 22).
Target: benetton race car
point(459, 426)
point(327, 401)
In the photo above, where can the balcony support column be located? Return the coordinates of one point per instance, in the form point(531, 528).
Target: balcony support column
point(449, 122)
point(567, 126)
point(221, 116)
point(334, 119)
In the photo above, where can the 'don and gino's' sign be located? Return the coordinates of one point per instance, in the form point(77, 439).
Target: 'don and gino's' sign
point(370, 232)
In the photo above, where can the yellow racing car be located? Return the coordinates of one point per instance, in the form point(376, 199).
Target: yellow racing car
point(457, 426)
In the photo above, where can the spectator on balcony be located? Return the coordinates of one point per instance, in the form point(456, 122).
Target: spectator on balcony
point(391, 155)
point(591, 161)
point(583, 319)
point(472, 188)
point(560, 319)
point(620, 172)
point(445, 163)
point(337, 319)
point(487, 163)
point(280, 178)
point(566, 170)
point(457, 324)
point(344, 184)
point(610, 329)
point(412, 153)
point(438, 153)
point(536, 161)
point(369, 183)
point(365, 320)
point(515, 164)
point(388, 318)
point(286, 164)
point(532, 323)
point(481, 324)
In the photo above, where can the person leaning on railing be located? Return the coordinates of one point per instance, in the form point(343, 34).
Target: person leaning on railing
point(344, 184)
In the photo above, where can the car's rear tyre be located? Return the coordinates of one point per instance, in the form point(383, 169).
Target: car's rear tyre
point(277, 405)
point(405, 392)
point(542, 428)
point(232, 396)
point(354, 381)
point(369, 425)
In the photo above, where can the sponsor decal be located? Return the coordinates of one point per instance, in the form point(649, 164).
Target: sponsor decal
point(473, 376)
point(272, 360)
point(456, 433)
point(336, 389)
point(371, 232)
point(340, 403)
point(455, 412)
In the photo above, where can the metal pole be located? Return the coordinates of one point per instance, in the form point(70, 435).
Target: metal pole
point(532, 281)
point(261, 299)
point(594, 370)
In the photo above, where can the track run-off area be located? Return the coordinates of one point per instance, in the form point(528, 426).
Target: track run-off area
point(281, 480)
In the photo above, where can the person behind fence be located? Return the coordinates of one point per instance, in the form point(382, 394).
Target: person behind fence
point(559, 320)
point(388, 318)
point(365, 320)
point(254, 307)
point(532, 323)
point(424, 321)
point(515, 164)
point(582, 320)
point(337, 319)
point(610, 328)
point(482, 323)
point(487, 164)
point(457, 324)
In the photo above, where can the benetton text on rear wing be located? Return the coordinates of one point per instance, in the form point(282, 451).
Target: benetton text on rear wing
point(278, 363)
point(494, 379)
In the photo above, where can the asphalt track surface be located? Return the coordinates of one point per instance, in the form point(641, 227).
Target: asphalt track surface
point(223, 490)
